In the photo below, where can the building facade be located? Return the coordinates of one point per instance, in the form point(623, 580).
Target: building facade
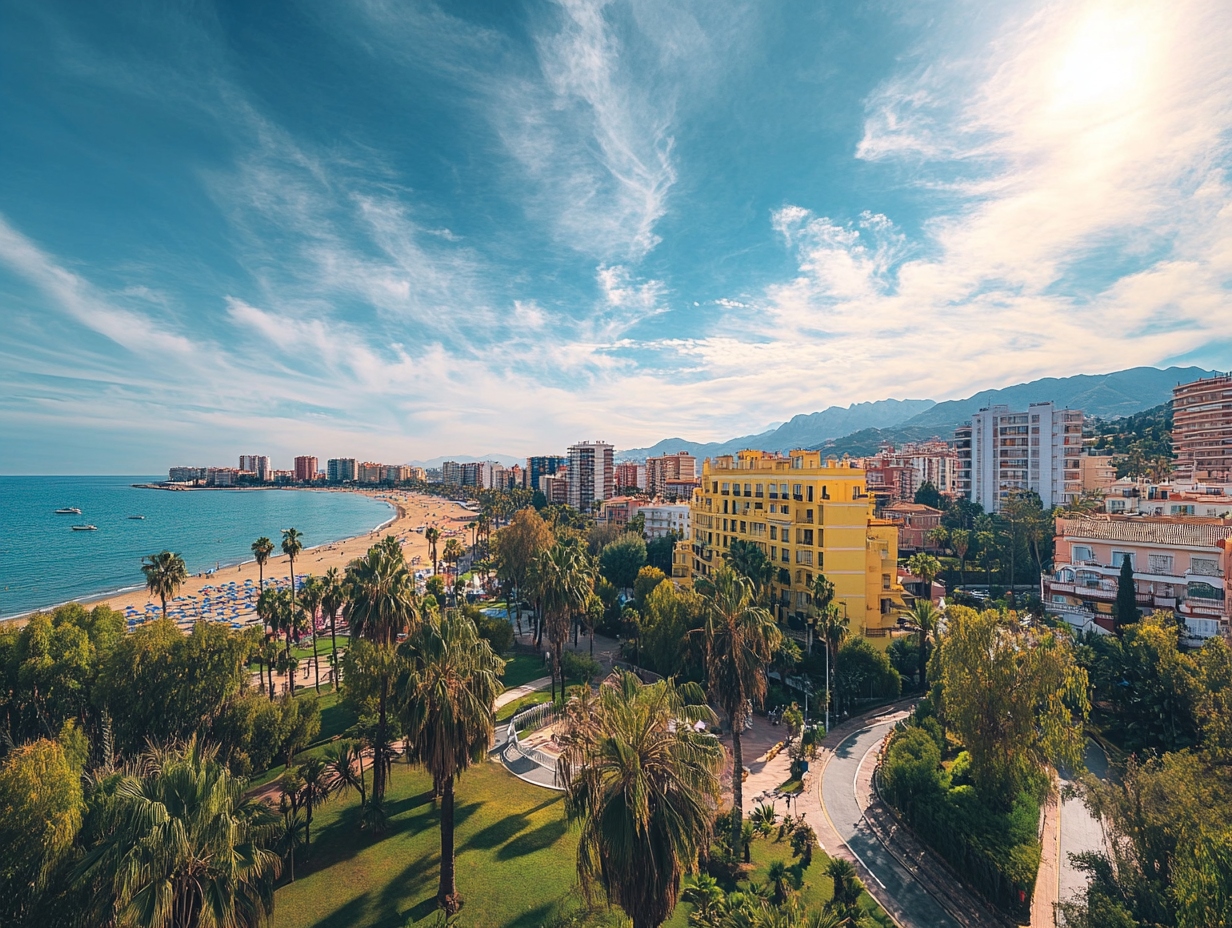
point(1180, 564)
point(630, 474)
point(258, 464)
point(305, 468)
point(555, 488)
point(665, 519)
point(809, 516)
point(1097, 472)
point(1036, 451)
point(542, 465)
point(670, 468)
point(186, 474)
point(1202, 430)
point(338, 470)
point(451, 473)
point(591, 473)
point(914, 521)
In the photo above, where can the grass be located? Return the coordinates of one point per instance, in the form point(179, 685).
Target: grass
point(516, 864)
point(791, 786)
point(521, 668)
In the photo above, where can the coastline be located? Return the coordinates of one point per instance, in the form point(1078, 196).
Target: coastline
point(410, 511)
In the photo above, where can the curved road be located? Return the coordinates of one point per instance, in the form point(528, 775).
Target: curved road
point(845, 810)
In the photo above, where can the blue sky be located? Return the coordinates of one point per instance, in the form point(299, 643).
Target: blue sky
point(395, 230)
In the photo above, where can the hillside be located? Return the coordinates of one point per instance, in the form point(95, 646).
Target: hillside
point(859, 428)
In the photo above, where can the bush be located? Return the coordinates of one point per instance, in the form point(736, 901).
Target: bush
point(495, 629)
point(863, 672)
point(579, 666)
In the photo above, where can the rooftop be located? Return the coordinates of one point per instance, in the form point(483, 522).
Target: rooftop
point(1190, 532)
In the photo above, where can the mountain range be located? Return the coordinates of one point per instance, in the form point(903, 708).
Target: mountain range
point(860, 427)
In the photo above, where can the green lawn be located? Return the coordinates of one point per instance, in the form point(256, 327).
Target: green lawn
point(516, 863)
point(521, 668)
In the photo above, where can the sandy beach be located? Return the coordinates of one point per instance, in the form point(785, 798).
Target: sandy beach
point(413, 510)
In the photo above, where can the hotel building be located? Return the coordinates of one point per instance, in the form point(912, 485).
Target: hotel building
point(1202, 430)
point(338, 470)
point(305, 468)
point(541, 465)
point(591, 473)
point(809, 516)
point(1003, 452)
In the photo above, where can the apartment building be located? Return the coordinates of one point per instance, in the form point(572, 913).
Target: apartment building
point(1180, 564)
point(305, 468)
point(1097, 472)
point(555, 488)
point(369, 472)
point(620, 510)
point(809, 516)
point(258, 464)
point(395, 473)
point(419, 473)
point(186, 474)
point(451, 473)
point(1130, 496)
point(914, 521)
point(1003, 452)
point(338, 470)
point(591, 473)
point(221, 476)
point(541, 465)
point(630, 474)
point(666, 468)
point(665, 519)
point(1202, 430)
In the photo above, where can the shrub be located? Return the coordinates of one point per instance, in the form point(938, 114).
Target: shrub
point(579, 666)
point(495, 629)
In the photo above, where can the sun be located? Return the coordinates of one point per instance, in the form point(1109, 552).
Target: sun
point(1105, 62)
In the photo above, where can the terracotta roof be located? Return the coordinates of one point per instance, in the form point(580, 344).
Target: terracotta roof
point(911, 507)
point(1146, 531)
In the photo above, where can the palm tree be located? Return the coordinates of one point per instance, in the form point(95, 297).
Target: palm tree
point(846, 886)
point(739, 638)
point(344, 762)
point(262, 548)
point(182, 846)
point(833, 628)
point(448, 717)
point(822, 594)
point(960, 541)
point(315, 791)
point(453, 553)
point(925, 618)
point(563, 579)
point(333, 596)
point(926, 567)
point(641, 784)
point(310, 598)
point(382, 605)
point(292, 544)
point(432, 536)
point(164, 573)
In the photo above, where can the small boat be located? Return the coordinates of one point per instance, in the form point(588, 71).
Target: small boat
point(136, 517)
point(85, 528)
point(68, 511)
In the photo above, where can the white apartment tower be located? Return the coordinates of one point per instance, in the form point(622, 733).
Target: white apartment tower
point(591, 473)
point(1036, 450)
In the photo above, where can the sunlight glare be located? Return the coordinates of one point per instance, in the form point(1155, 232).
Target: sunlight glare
point(1104, 63)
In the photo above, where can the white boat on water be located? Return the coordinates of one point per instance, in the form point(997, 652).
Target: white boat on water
point(85, 528)
point(68, 511)
point(136, 517)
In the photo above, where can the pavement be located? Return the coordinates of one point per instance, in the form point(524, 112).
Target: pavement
point(1080, 830)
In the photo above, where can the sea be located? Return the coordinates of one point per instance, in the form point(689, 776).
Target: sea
point(43, 562)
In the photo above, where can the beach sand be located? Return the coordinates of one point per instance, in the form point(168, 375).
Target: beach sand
point(413, 510)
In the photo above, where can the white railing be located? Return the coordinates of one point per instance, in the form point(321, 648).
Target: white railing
point(533, 719)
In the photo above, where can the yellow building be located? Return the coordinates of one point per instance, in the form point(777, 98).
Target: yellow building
point(809, 516)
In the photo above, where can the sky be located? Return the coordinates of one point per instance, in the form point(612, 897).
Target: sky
point(392, 230)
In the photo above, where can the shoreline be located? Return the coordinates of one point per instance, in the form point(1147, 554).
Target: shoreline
point(410, 510)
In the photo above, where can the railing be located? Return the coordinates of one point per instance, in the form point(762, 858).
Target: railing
point(533, 719)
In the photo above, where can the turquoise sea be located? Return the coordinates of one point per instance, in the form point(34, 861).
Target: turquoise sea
point(43, 562)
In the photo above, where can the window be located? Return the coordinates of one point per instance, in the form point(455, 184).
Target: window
point(786, 556)
point(743, 526)
point(757, 490)
point(821, 512)
point(725, 505)
point(804, 536)
point(1205, 566)
point(1082, 553)
point(774, 551)
point(1160, 563)
point(774, 533)
point(885, 581)
point(748, 489)
point(1119, 556)
point(810, 492)
point(804, 557)
point(774, 491)
point(783, 509)
point(797, 491)
point(726, 488)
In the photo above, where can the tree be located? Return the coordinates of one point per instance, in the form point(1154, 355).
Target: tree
point(929, 495)
point(847, 886)
point(292, 545)
point(344, 763)
point(739, 638)
point(515, 548)
point(925, 618)
point(1125, 612)
point(382, 605)
point(926, 567)
point(452, 554)
point(164, 573)
point(640, 786)
point(822, 595)
point(833, 627)
point(333, 598)
point(310, 598)
point(262, 548)
point(1011, 695)
point(182, 846)
point(620, 561)
point(40, 816)
point(432, 535)
point(960, 542)
point(447, 700)
point(648, 578)
point(563, 580)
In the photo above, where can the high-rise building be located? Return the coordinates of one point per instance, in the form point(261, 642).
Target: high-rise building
point(338, 470)
point(555, 487)
point(592, 473)
point(451, 473)
point(541, 465)
point(258, 464)
point(630, 474)
point(305, 468)
point(809, 516)
point(186, 474)
point(1035, 451)
point(369, 472)
point(680, 466)
point(1202, 430)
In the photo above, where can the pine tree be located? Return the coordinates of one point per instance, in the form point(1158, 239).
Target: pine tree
point(1126, 611)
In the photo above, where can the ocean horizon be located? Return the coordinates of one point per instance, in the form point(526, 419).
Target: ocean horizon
point(44, 563)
